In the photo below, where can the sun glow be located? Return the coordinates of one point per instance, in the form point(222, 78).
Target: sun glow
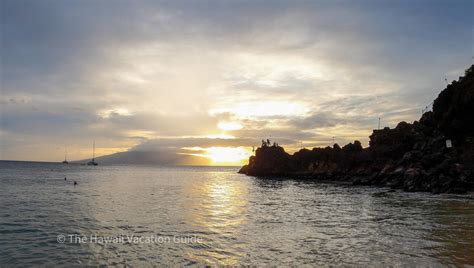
point(262, 108)
point(227, 155)
point(229, 126)
point(221, 156)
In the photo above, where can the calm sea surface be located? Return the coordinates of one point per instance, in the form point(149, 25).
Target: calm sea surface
point(211, 215)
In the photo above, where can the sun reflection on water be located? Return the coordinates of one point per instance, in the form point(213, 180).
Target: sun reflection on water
point(221, 212)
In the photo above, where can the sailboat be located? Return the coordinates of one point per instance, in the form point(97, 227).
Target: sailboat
point(65, 157)
point(93, 162)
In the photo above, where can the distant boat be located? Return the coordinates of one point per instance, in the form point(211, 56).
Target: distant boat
point(93, 162)
point(65, 157)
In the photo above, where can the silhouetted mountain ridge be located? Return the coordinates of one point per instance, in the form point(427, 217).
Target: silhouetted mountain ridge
point(163, 158)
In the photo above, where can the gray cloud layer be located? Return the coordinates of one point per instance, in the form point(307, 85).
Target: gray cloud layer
point(146, 74)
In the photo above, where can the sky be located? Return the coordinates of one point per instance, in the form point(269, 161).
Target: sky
point(212, 78)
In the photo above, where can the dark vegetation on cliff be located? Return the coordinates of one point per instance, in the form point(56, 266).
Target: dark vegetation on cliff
point(412, 157)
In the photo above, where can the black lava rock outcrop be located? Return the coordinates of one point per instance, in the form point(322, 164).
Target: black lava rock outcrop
point(412, 157)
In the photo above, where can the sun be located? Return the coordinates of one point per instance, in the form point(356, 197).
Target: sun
point(227, 155)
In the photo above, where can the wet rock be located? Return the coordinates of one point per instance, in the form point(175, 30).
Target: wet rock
point(244, 169)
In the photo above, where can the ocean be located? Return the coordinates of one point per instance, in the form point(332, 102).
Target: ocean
point(146, 215)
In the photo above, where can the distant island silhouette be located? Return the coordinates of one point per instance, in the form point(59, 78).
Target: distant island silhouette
point(434, 154)
point(160, 158)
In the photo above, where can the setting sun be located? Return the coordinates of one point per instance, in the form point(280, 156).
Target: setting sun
point(227, 155)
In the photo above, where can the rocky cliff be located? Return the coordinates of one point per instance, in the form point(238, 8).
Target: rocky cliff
point(412, 157)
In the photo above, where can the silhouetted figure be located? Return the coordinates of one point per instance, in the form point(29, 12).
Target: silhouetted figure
point(64, 178)
point(75, 183)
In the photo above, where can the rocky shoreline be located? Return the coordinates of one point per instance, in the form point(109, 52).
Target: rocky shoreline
point(434, 154)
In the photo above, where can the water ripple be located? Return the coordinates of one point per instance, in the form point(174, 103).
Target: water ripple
point(238, 219)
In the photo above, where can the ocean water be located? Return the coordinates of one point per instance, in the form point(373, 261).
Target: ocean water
point(142, 216)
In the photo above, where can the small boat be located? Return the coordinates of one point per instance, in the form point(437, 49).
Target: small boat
point(93, 162)
point(65, 157)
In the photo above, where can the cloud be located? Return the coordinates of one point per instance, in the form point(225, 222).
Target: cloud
point(145, 74)
point(181, 142)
